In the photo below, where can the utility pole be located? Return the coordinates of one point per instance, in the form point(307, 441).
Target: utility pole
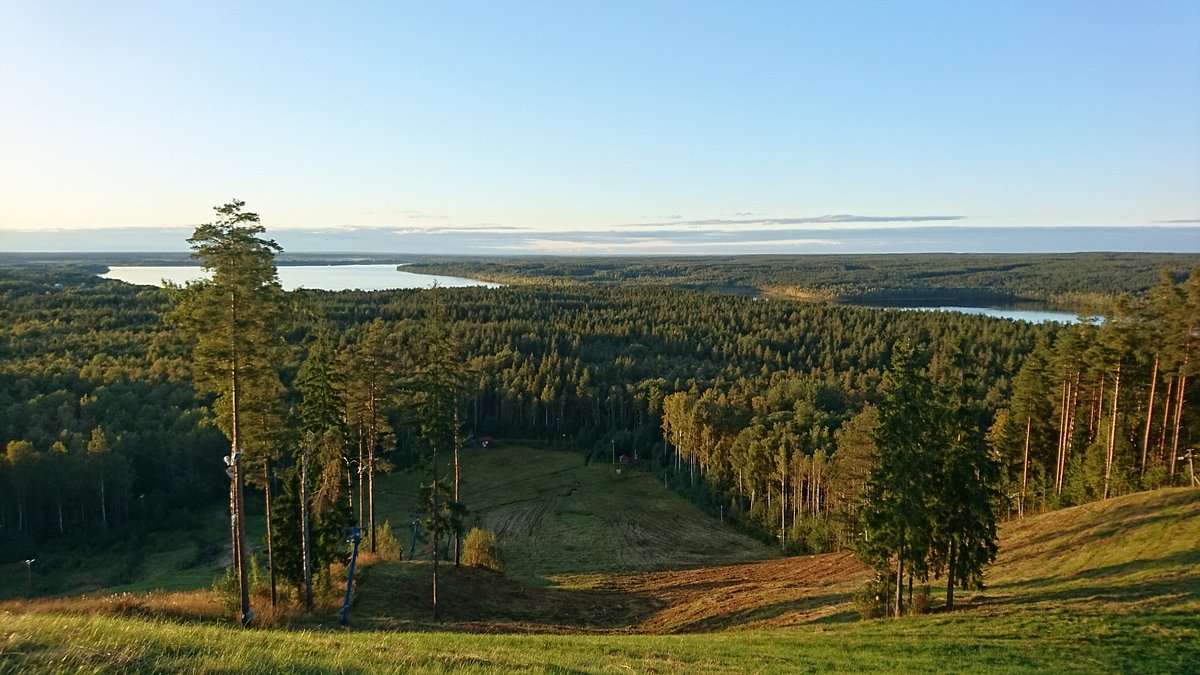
point(29, 573)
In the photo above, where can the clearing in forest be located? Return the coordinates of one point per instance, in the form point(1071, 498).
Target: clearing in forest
point(553, 515)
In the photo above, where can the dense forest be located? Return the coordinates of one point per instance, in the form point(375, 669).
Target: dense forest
point(763, 411)
point(1072, 281)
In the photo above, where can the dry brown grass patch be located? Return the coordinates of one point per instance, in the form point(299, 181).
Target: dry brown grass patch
point(186, 605)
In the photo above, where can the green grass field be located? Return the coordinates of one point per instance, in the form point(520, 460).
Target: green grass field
point(613, 573)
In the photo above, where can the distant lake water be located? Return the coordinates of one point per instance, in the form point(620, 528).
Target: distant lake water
point(1030, 315)
point(317, 277)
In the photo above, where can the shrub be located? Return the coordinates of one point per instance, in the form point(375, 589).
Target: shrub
point(873, 600)
point(226, 589)
point(919, 604)
point(257, 581)
point(387, 547)
point(810, 535)
point(480, 550)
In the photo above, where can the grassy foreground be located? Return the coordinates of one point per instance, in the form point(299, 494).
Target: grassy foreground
point(1027, 642)
point(1106, 587)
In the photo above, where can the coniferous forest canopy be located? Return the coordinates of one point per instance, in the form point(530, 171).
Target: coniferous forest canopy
point(767, 411)
point(1074, 281)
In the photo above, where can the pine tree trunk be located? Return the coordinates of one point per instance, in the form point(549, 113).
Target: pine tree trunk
point(950, 576)
point(1092, 410)
point(783, 512)
point(900, 578)
point(1073, 418)
point(236, 488)
point(103, 498)
point(305, 535)
point(270, 536)
point(1178, 419)
point(457, 477)
point(372, 442)
point(437, 532)
point(1059, 464)
point(243, 566)
point(1162, 434)
point(1149, 415)
point(1025, 468)
point(361, 472)
point(371, 490)
point(235, 546)
point(799, 496)
point(1112, 434)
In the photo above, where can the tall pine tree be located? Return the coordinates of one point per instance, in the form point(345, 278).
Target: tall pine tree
point(232, 319)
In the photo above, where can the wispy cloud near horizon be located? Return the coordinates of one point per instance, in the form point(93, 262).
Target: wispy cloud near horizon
point(484, 239)
point(658, 246)
point(837, 219)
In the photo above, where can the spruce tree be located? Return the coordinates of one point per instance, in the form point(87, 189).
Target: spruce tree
point(963, 496)
point(322, 513)
point(895, 516)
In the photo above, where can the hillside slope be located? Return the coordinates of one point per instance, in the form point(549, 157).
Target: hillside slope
point(553, 515)
point(566, 525)
point(1109, 587)
point(1136, 553)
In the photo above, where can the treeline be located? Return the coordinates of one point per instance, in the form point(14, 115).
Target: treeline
point(1106, 409)
point(97, 423)
point(1076, 281)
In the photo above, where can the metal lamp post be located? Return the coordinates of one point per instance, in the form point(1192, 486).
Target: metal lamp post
point(29, 573)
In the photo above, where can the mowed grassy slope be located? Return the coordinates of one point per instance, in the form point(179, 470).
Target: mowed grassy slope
point(554, 515)
point(1137, 554)
point(1108, 587)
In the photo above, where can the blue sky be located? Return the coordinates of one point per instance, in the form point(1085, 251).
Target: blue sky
point(599, 127)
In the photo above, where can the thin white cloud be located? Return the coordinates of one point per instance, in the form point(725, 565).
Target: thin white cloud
point(831, 220)
point(658, 245)
point(484, 228)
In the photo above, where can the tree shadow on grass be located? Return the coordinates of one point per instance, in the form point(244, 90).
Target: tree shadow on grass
point(730, 619)
point(398, 595)
point(1182, 584)
point(847, 616)
point(1116, 520)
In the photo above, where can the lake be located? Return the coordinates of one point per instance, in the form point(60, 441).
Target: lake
point(1030, 315)
point(322, 277)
